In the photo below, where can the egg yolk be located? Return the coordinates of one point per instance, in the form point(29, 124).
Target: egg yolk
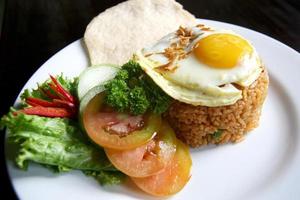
point(222, 50)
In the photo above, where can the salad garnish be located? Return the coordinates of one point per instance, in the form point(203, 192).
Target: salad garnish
point(53, 100)
point(133, 91)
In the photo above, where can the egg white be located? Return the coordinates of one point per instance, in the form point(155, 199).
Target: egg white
point(193, 81)
point(183, 94)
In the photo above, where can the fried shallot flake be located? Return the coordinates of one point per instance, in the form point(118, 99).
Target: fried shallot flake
point(176, 51)
point(186, 32)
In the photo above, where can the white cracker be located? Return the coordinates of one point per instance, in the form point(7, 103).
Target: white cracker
point(115, 34)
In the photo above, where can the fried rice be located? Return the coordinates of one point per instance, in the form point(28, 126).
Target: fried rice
point(202, 125)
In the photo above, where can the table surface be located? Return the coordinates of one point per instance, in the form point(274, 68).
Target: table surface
point(34, 30)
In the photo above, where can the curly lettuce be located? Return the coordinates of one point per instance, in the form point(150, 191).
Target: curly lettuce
point(57, 143)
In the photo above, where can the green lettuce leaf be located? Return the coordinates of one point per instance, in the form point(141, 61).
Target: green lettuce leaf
point(106, 177)
point(59, 144)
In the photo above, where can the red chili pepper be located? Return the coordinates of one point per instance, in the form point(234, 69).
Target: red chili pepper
point(59, 95)
point(32, 103)
point(63, 103)
point(39, 102)
point(48, 111)
point(61, 90)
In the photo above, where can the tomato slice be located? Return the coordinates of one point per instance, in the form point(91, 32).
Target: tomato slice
point(173, 178)
point(94, 122)
point(148, 159)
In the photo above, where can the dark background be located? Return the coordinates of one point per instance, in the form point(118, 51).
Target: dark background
point(34, 30)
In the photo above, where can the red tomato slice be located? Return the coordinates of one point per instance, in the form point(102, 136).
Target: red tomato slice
point(94, 122)
point(148, 159)
point(173, 178)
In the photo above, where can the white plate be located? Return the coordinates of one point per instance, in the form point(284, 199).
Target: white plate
point(264, 166)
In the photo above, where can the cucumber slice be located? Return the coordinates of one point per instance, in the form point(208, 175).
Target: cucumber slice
point(93, 76)
point(87, 98)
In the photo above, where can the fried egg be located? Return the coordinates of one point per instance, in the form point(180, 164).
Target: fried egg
point(202, 65)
